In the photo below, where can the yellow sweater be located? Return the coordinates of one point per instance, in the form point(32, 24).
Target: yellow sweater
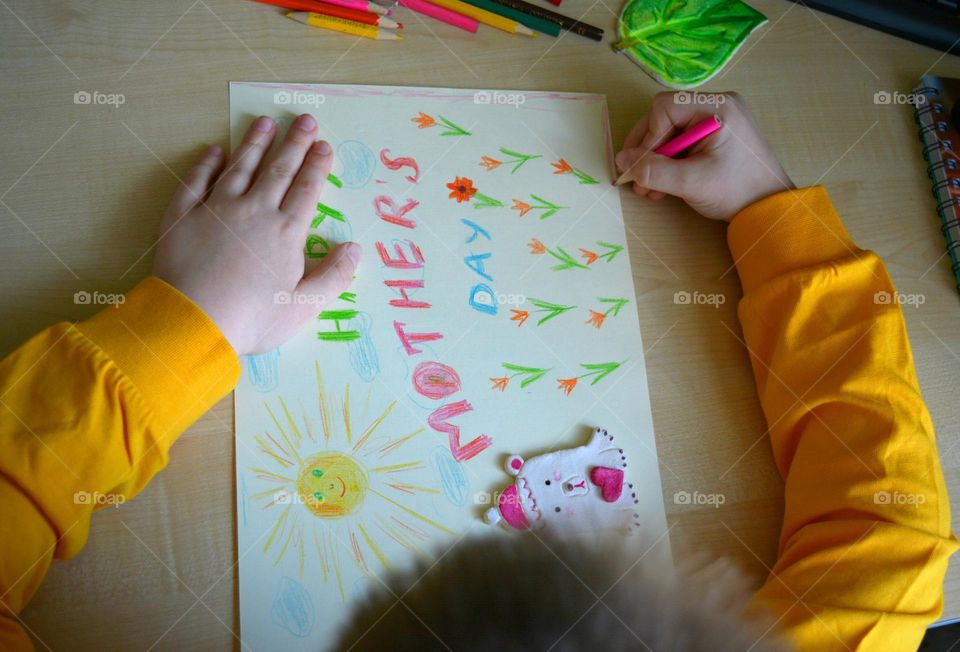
point(88, 413)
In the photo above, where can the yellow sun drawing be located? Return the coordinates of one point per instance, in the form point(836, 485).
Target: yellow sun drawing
point(335, 496)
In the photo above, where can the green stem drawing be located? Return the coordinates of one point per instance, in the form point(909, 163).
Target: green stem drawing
point(599, 371)
point(565, 168)
point(452, 129)
point(529, 374)
point(615, 305)
point(518, 159)
point(549, 208)
point(485, 201)
point(566, 260)
point(335, 180)
point(552, 310)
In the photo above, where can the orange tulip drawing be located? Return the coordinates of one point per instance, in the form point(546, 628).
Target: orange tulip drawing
point(537, 247)
point(562, 167)
point(596, 319)
point(489, 163)
point(519, 316)
point(590, 256)
point(500, 383)
point(566, 385)
point(423, 121)
point(523, 207)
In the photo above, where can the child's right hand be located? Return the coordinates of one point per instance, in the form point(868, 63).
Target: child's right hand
point(719, 176)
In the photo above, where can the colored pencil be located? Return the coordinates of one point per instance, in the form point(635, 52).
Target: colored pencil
point(567, 23)
point(348, 14)
point(485, 17)
point(441, 14)
point(346, 26)
point(316, 5)
point(684, 141)
point(539, 24)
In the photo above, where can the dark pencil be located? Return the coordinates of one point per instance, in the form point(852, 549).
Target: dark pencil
point(567, 23)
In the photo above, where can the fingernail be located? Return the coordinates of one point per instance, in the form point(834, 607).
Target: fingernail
point(323, 148)
point(263, 124)
point(352, 251)
point(305, 123)
point(216, 150)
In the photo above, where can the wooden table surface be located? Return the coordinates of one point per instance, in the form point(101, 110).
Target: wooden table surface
point(83, 188)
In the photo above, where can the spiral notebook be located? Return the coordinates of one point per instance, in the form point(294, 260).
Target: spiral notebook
point(937, 112)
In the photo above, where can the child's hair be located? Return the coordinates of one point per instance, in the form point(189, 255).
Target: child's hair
point(508, 594)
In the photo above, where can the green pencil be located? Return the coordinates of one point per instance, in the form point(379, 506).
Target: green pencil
point(533, 22)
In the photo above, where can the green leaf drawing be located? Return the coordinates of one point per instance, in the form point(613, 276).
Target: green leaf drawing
point(452, 129)
point(612, 251)
point(549, 209)
point(599, 371)
point(683, 43)
point(518, 158)
point(566, 260)
point(552, 310)
point(532, 374)
point(485, 201)
point(615, 305)
point(335, 180)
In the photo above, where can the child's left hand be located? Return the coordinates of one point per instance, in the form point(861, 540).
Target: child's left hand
point(233, 241)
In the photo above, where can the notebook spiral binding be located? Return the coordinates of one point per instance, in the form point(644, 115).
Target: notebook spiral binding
point(943, 162)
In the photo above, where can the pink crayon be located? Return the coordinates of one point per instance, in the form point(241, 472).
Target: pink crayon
point(441, 14)
point(684, 141)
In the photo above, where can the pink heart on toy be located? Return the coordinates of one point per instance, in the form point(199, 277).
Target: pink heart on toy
point(609, 480)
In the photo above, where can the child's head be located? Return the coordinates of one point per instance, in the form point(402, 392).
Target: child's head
point(512, 593)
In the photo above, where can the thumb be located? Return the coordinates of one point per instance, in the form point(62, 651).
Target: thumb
point(330, 278)
point(652, 171)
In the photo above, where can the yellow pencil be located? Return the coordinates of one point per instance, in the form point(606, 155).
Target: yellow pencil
point(484, 16)
point(345, 26)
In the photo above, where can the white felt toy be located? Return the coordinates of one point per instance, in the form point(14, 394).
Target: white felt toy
point(575, 490)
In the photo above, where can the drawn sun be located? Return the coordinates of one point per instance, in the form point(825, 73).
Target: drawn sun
point(335, 495)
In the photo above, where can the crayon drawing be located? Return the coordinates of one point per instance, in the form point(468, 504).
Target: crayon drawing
point(492, 314)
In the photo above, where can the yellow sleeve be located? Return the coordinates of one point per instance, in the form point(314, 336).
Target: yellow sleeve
point(88, 413)
point(866, 531)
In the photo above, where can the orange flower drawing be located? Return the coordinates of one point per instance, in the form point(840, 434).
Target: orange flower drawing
point(521, 206)
point(462, 188)
point(562, 167)
point(519, 316)
point(500, 383)
point(566, 385)
point(596, 319)
point(489, 163)
point(424, 120)
point(590, 256)
point(537, 247)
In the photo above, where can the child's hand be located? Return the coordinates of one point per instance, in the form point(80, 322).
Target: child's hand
point(233, 241)
point(719, 176)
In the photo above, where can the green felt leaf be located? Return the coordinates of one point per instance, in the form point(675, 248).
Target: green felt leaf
point(683, 43)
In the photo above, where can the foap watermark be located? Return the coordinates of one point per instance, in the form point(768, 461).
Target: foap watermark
point(884, 298)
point(298, 299)
point(698, 498)
point(695, 298)
point(699, 99)
point(298, 98)
point(96, 298)
point(896, 97)
point(499, 97)
point(98, 98)
point(898, 498)
point(96, 498)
